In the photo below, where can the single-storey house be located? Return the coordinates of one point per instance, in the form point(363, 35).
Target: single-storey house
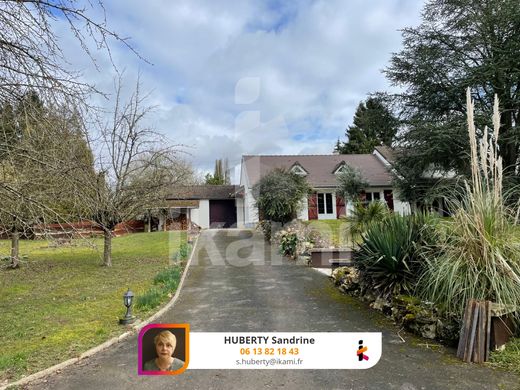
point(321, 173)
point(204, 206)
point(226, 206)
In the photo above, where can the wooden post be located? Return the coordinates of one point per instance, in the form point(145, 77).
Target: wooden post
point(468, 354)
point(464, 332)
point(474, 342)
point(488, 330)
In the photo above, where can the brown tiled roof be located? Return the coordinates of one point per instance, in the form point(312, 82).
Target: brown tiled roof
point(206, 191)
point(387, 152)
point(320, 167)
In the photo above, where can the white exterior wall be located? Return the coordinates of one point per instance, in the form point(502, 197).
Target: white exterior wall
point(401, 207)
point(200, 216)
point(303, 215)
point(239, 202)
point(250, 210)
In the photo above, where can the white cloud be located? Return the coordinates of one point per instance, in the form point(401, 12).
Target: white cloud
point(315, 60)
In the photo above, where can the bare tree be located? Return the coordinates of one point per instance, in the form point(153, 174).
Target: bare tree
point(136, 166)
point(38, 168)
point(40, 148)
point(30, 51)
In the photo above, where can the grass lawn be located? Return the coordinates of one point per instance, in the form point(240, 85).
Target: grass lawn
point(509, 358)
point(336, 230)
point(61, 302)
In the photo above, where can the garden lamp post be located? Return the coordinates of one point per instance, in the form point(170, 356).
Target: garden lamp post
point(128, 297)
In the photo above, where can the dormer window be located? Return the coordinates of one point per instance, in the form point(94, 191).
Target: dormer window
point(340, 168)
point(298, 169)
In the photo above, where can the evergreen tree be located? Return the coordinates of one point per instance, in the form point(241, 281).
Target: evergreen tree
point(220, 175)
point(459, 44)
point(374, 125)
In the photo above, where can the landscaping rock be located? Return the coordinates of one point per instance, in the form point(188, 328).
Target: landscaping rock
point(346, 278)
point(419, 317)
point(381, 304)
point(368, 296)
point(428, 331)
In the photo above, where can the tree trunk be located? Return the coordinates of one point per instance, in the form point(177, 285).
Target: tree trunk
point(107, 252)
point(15, 249)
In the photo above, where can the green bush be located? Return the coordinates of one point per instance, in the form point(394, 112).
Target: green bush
point(350, 183)
point(478, 258)
point(279, 195)
point(266, 228)
point(390, 257)
point(289, 244)
point(479, 255)
point(168, 278)
point(363, 215)
point(297, 239)
point(184, 250)
point(165, 282)
point(150, 299)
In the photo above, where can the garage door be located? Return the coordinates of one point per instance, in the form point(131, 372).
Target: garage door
point(222, 214)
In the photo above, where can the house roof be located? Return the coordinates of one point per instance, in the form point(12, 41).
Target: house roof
point(387, 152)
point(320, 168)
point(206, 191)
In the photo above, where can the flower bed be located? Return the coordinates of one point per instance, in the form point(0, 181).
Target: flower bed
point(297, 240)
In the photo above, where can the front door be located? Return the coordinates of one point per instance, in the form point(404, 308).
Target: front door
point(326, 205)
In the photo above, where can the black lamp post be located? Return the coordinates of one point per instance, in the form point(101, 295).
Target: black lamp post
point(128, 297)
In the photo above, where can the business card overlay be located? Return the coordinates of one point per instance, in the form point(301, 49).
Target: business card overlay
point(284, 350)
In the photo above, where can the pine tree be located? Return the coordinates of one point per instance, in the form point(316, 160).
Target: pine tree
point(373, 125)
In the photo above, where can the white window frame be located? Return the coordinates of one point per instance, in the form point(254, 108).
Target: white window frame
point(297, 169)
point(334, 211)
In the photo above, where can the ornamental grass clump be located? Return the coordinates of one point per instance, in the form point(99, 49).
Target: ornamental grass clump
point(479, 254)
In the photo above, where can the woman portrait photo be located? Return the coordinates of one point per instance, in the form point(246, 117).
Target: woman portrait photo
point(165, 343)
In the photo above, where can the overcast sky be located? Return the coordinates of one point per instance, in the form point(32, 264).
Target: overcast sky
point(253, 77)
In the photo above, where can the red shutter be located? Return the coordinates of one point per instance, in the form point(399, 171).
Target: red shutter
point(313, 206)
point(389, 199)
point(340, 207)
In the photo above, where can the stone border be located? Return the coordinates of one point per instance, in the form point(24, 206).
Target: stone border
point(134, 329)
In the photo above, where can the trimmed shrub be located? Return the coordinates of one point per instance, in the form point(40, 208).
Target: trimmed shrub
point(279, 195)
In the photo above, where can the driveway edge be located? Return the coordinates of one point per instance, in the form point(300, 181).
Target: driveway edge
point(134, 329)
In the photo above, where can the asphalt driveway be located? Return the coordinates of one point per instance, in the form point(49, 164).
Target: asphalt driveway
point(236, 283)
